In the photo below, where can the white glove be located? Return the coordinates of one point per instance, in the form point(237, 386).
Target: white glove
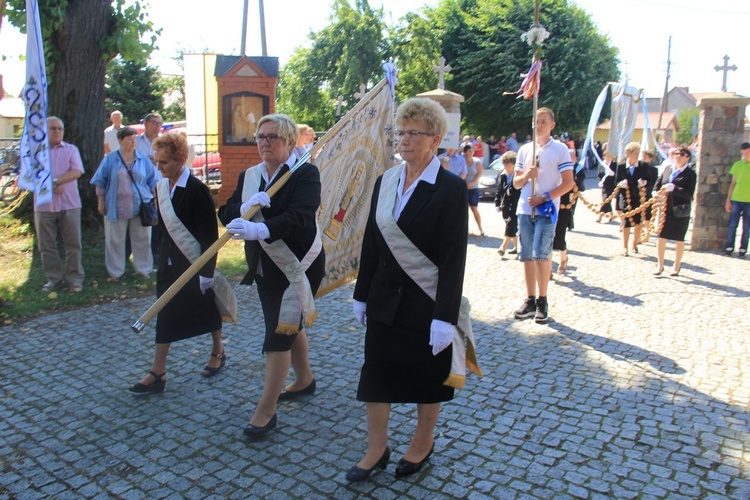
point(261, 199)
point(609, 171)
point(441, 335)
point(601, 182)
point(360, 312)
point(641, 182)
point(669, 187)
point(623, 184)
point(206, 283)
point(654, 194)
point(242, 229)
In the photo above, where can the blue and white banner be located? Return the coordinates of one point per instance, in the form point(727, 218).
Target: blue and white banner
point(35, 159)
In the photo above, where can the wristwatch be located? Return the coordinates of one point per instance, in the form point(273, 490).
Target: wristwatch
point(545, 198)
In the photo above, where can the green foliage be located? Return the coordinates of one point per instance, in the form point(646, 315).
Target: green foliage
point(134, 89)
point(481, 40)
point(685, 118)
point(172, 87)
point(344, 55)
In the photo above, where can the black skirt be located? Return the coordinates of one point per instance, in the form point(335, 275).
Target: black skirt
point(400, 368)
point(189, 314)
point(675, 228)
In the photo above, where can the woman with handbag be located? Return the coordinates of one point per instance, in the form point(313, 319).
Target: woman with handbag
point(188, 227)
point(125, 182)
point(678, 183)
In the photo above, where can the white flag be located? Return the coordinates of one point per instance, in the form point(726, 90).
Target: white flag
point(36, 171)
point(349, 164)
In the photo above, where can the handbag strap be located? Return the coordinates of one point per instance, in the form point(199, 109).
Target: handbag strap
point(135, 186)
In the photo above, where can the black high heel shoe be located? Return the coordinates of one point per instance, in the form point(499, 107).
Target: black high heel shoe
point(406, 468)
point(254, 432)
point(210, 371)
point(356, 474)
point(287, 395)
point(155, 387)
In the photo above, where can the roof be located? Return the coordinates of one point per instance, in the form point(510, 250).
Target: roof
point(268, 65)
point(668, 119)
point(12, 107)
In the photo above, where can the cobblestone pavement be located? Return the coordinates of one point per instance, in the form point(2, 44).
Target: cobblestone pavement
point(638, 387)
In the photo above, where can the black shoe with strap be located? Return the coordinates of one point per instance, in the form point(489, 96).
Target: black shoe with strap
point(210, 371)
point(155, 387)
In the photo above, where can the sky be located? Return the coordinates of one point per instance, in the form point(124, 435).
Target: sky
point(702, 33)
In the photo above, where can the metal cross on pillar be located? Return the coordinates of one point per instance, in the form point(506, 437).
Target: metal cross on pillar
point(362, 92)
point(339, 102)
point(441, 71)
point(726, 68)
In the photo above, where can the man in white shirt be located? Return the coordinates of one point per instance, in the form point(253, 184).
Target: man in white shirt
point(152, 125)
point(110, 133)
point(541, 187)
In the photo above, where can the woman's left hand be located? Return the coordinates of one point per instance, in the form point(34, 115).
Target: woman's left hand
point(242, 229)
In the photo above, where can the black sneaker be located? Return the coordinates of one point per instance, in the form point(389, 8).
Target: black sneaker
point(742, 253)
point(728, 252)
point(542, 308)
point(527, 310)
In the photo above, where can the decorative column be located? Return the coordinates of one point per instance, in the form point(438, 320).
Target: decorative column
point(722, 122)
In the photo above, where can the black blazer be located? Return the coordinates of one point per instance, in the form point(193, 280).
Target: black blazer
point(506, 197)
point(684, 187)
point(642, 171)
point(291, 218)
point(436, 220)
point(195, 208)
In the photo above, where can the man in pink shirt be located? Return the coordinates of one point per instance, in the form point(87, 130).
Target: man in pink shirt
point(63, 214)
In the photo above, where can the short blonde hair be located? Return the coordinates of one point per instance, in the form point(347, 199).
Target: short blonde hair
point(426, 111)
point(287, 128)
point(508, 157)
point(176, 145)
point(632, 146)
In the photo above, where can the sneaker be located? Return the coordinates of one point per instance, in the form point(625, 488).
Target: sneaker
point(542, 309)
point(728, 252)
point(527, 310)
point(48, 287)
point(742, 253)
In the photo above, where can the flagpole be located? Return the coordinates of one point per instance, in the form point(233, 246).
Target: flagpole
point(535, 105)
point(196, 266)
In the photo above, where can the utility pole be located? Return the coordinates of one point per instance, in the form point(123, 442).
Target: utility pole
point(244, 29)
point(263, 47)
point(665, 97)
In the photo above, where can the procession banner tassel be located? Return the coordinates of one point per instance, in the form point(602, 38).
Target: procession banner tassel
point(169, 294)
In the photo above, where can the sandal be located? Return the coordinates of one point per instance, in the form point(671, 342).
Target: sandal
point(563, 266)
point(210, 371)
point(155, 387)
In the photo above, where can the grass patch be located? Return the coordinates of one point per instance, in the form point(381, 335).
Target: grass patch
point(21, 276)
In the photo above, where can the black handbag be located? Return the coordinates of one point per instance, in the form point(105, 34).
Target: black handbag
point(681, 211)
point(148, 213)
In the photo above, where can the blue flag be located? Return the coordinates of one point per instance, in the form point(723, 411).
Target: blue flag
point(36, 171)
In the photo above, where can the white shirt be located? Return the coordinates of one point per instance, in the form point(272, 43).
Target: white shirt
point(289, 162)
point(110, 135)
point(554, 158)
point(429, 175)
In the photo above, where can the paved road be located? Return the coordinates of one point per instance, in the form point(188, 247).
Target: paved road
point(638, 387)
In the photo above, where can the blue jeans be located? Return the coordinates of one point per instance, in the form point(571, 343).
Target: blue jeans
point(535, 235)
point(739, 208)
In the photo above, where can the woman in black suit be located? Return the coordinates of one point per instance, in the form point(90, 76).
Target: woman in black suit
point(632, 174)
point(282, 242)
point(417, 226)
point(678, 183)
point(193, 310)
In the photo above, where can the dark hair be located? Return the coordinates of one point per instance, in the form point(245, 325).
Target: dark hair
point(745, 145)
point(684, 151)
point(150, 116)
point(125, 132)
point(468, 147)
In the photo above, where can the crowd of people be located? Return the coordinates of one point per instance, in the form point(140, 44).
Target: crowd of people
point(412, 261)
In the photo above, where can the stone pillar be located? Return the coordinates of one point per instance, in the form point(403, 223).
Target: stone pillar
point(722, 122)
point(247, 92)
point(451, 102)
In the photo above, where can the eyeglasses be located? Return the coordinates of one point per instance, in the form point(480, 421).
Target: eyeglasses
point(412, 134)
point(271, 138)
point(156, 123)
point(56, 128)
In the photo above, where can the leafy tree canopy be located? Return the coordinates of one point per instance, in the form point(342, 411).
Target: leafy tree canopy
point(134, 89)
point(687, 118)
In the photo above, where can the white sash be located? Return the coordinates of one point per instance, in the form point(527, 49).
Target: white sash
point(425, 274)
point(226, 302)
point(298, 301)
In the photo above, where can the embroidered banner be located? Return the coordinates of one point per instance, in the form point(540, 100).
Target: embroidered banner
point(349, 164)
point(35, 173)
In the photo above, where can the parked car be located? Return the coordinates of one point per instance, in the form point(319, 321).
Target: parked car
point(210, 160)
point(490, 178)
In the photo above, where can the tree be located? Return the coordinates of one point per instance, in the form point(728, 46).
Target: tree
point(344, 55)
point(481, 40)
point(687, 118)
point(80, 37)
point(172, 87)
point(133, 88)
